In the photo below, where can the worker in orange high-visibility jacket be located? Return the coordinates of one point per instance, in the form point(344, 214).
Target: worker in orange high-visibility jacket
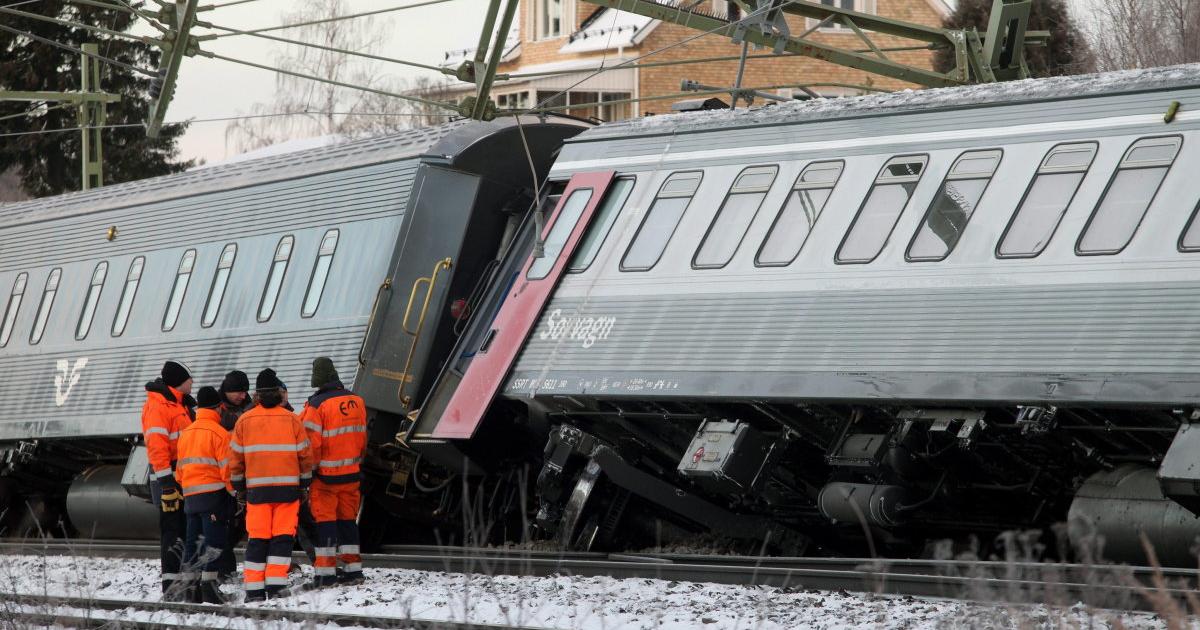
point(270, 466)
point(203, 460)
point(164, 416)
point(336, 422)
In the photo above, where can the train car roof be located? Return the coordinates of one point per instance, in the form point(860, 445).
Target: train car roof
point(406, 144)
point(906, 101)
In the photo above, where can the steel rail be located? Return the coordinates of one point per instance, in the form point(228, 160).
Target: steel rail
point(1104, 586)
point(90, 612)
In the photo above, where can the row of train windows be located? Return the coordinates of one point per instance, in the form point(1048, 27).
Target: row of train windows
point(1110, 228)
point(179, 286)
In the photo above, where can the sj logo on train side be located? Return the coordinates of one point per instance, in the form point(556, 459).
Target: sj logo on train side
point(68, 375)
point(587, 330)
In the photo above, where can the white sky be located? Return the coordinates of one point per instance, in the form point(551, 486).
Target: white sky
point(211, 88)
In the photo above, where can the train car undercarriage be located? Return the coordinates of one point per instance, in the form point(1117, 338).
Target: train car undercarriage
point(844, 479)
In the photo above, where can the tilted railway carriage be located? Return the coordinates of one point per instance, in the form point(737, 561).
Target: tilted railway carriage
point(355, 252)
point(926, 314)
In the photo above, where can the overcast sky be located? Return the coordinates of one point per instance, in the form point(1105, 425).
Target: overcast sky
point(214, 89)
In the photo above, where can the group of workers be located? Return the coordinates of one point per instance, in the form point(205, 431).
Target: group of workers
point(225, 456)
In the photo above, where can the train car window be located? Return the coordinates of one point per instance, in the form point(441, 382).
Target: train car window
point(132, 279)
point(881, 209)
point(182, 276)
point(14, 306)
point(1046, 200)
point(1189, 241)
point(279, 265)
point(607, 213)
point(216, 292)
point(320, 274)
point(799, 214)
point(734, 216)
point(564, 224)
point(952, 207)
point(91, 301)
point(43, 312)
point(1130, 192)
point(660, 222)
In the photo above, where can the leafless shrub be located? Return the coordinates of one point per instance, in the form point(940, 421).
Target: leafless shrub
point(1126, 34)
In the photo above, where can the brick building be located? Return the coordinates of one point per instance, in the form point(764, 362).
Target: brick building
point(558, 43)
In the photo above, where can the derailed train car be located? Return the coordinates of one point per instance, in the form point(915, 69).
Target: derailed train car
point(366, 252)
point(902, 317)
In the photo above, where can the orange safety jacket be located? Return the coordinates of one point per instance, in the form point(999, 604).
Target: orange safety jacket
point(204, 455)
point(269, 456)
point(163, 418)
point(336, 422)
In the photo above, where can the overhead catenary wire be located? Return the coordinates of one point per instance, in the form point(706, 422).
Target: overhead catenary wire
point(50, 42)
point(350, 16)
point(87, 27)
point(351, 86)
point(598, 71)
point(296, 42)
point(221, 119)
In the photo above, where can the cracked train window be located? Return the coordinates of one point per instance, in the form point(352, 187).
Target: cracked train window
point(279, 265)
point(182, 276)
point(44, 307)
point(91, 301)
point(556, 239)
point(132, 279)
point(216, 292)
point(799, 214)
point(952, 207)
point(14, 306)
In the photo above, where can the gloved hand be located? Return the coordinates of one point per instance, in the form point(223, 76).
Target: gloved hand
point(171, 500)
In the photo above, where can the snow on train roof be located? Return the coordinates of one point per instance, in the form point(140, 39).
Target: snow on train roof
point(234, 174)
point(1187, 75)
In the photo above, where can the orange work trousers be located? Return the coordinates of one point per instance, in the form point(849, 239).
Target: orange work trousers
point(335, 509)
point(270, 535)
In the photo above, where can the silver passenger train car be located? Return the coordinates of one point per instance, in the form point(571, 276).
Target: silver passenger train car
point(353, 251)
point(930, 314)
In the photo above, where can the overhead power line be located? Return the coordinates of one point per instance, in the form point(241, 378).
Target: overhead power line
point(226, 119)
point(234, 31)
point(50, 42)
point(86, 27)
point(323, 20)
point(406, 97)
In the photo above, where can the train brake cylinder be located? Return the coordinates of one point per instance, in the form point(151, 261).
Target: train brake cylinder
point(855, 503)
point(99, 507)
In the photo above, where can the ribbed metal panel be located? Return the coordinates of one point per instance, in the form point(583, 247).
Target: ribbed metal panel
point(331, 198)
point(107, 398)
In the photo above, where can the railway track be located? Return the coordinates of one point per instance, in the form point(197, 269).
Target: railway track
point(1103, 586)
point(73, 612)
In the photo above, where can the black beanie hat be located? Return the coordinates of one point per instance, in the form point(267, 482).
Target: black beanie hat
point(175, 373)
point(267, 380)
point(235, 381)
point(208, 398)
point(323, 372)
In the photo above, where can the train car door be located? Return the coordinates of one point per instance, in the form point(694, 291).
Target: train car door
point(522, 307)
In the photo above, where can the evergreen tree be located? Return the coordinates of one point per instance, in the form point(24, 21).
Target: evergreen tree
point(50, 163)
point(1066, 52)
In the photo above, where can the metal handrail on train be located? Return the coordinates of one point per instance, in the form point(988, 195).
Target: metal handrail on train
point(429, 283)
point(387, 284)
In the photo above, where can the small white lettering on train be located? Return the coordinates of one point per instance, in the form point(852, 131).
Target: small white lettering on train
point(586, 330)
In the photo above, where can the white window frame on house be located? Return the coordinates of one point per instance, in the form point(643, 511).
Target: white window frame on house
point(862, 6)
point(513, 100)
point(566, 19)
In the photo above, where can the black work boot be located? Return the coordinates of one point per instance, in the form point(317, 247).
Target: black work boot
point(173, 591)
point(256, 595)
point(349, 578)
point(210, 594)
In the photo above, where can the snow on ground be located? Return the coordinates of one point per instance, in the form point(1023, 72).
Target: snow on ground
point(574, 603)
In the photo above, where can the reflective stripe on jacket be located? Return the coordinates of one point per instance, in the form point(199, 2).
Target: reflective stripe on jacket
point(269, 455)
point(203, 455)
point(336, 422)
point(163, 418)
